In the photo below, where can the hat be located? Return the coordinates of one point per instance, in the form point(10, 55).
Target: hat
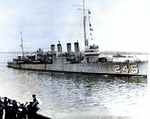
point(33, 95)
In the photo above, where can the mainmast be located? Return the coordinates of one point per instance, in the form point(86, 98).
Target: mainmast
point(22, 44)
point(84, 24)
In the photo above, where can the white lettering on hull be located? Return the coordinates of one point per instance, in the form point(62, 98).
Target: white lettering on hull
point(133, 69)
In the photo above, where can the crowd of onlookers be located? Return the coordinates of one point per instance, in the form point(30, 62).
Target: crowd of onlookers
point(11, 109)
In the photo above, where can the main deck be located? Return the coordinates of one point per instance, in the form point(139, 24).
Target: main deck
point(108, 68)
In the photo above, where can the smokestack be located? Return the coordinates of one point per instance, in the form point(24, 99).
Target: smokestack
point(59, 48)
point(69, 48)
point(76, 48)
point(52, 49)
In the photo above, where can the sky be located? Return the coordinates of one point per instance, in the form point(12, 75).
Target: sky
point(118, 25)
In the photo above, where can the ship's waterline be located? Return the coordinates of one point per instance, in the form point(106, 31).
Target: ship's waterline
point(78, 96)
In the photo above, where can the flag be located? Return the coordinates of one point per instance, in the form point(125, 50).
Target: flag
point(91, 29)
point(90, 24)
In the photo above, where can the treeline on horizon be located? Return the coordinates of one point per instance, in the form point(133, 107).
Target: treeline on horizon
point(13, 52)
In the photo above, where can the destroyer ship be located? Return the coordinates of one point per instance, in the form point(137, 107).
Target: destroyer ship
point(89, 61)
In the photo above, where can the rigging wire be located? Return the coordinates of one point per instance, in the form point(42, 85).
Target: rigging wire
point(52, 31)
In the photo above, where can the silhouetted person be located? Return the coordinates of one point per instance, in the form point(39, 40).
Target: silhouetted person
point(9, 110)
point(35, 102)
point(31, 112)
point(22, 111)
point(35, 105)
point(14, 109)
point(6, 107)
point(2, 107)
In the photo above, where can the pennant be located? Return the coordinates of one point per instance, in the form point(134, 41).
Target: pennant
point(90, 24)
point(91, 29)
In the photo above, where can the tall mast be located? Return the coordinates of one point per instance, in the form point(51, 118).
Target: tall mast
point(22, 44)
point(84, 24)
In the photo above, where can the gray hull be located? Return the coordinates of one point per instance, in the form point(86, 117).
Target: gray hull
point(109, 68)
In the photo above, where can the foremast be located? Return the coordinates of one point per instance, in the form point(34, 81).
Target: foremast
point(22, 44)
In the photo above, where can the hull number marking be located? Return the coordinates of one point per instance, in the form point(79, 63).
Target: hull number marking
point(125, 69)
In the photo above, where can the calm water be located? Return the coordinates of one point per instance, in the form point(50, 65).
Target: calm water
point(77, 96)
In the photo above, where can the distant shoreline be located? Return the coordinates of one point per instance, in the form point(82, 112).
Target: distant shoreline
point(13, 52)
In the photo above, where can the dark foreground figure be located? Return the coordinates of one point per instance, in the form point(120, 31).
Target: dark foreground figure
point(11, 109)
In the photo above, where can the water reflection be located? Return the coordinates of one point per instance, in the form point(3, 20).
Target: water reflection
point(110, 94)
point(69, 95)
point(94, 77)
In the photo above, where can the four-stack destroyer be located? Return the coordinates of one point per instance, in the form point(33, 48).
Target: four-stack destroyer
point(88, 61)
